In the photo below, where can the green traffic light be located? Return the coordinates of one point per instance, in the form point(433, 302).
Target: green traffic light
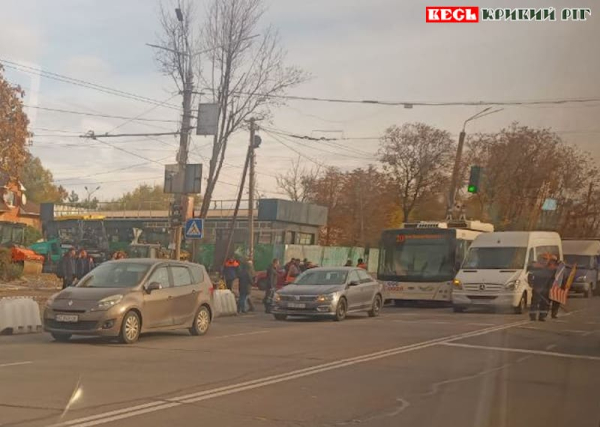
point(472, 189)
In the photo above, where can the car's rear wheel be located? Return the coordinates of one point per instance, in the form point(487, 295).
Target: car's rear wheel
point(130, 328)
point(341, 310)
point(376, 307)
point(280, 316)
point(61, 337)
point(201, 321)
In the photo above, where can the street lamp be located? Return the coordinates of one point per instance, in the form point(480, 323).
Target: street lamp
point(459, 149)
point(89, 194)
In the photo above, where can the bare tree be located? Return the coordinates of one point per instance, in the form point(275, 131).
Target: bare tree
point(239, 65)
point(294, 181)
point(244, 72)
point(417, 158)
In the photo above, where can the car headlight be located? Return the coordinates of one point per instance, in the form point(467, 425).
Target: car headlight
point(457, 284)
point(50, 301)
point(108, 302)
point(277, 297)
point(325, 298)
point(581, 279)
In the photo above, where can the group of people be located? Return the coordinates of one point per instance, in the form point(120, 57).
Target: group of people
point(548, 272)
point(73, 266)
point(360, 263)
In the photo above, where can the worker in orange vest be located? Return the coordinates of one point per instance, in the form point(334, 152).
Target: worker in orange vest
point(230, 271)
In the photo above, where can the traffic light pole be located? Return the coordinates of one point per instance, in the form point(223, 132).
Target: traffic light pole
point(455, 173)
point(251, 185)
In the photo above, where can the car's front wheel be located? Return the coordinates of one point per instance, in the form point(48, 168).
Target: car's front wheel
point(201, 321)
point(520, 309)
point(60, 336)
point(341, 310)
point(376, 307)
point(130, 328)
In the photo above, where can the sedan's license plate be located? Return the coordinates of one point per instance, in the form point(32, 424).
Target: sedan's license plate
point(71, 318)
point(296, 305)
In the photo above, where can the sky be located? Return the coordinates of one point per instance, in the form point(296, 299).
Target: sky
point(355, 49)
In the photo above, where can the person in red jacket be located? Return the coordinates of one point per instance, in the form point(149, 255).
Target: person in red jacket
point(361, 264)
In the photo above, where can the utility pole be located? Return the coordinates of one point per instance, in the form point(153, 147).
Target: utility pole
point(182, 156)
point(251, 184)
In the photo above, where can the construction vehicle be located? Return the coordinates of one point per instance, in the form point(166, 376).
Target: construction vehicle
point(12, 236)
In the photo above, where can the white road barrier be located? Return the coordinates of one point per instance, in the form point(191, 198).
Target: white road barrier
point(224, 303)
point(19, 315)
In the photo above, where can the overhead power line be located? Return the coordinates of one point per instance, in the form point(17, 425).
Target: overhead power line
point(107, 116)
point(410, 104)
point(83, 83)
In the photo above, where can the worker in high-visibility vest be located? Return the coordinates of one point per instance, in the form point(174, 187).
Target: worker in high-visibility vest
point(230, 271)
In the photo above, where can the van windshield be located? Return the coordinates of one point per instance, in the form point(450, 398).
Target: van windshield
point(495, 258)
point(582, 261)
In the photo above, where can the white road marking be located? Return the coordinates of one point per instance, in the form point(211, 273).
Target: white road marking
point(550, 346)
point(146, 408)
point(588, 333)
point(521, 350)
point(575, 331)
point(5, 365)
point(481, 324)
point(241, 335)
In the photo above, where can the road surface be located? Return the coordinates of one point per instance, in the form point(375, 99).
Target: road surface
point(408, 367)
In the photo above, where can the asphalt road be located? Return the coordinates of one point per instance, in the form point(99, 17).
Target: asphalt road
point(409, 367)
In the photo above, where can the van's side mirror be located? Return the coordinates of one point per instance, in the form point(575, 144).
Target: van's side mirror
point(154, 286)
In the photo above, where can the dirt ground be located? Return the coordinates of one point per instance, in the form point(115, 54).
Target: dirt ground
point(40, 287)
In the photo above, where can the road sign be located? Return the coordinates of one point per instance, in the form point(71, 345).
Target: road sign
point(194, 228)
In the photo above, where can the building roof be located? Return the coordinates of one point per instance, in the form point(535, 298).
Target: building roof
point(30, 208)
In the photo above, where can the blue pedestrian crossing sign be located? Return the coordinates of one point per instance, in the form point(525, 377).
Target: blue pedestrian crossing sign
point(194, 228)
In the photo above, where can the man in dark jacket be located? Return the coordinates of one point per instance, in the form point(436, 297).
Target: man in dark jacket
point(83, 264)
point(67, 269)
point(540, 278)
point(272, 279)
point(245, 279)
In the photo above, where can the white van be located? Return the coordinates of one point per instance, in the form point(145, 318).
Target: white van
point(494, 273)
point(585, 254)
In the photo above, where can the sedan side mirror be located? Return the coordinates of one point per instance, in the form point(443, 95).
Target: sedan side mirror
point(154, 286)
point(354, 283)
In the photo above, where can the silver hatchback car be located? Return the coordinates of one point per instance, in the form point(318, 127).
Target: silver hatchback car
point(329, 292)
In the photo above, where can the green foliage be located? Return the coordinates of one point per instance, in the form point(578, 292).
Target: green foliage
point(39, 183)
point(144, 197)
point(32, 235)
point(8, 270)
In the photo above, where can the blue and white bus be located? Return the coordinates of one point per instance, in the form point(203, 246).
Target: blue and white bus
point(419, 261)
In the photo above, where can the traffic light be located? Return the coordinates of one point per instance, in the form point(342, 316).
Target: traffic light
point(474, 179)
point(176, 211)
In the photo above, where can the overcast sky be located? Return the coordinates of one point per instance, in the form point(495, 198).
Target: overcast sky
point(358, 49)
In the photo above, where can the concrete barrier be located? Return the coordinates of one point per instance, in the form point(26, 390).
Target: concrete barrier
point(224, 303)
point(19, 315)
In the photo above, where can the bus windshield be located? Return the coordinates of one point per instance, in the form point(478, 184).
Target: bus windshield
point(416, 257)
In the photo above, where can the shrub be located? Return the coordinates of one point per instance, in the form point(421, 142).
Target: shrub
point(9, 270)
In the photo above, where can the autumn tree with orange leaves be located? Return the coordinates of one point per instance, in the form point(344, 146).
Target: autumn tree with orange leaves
point(13, 128)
